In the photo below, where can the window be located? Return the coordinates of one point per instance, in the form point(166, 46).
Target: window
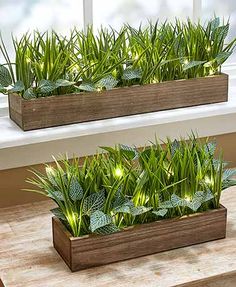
point(136, 11)
point(18, 17)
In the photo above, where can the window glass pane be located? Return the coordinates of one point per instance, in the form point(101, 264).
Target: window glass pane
point(115, 13)
point(18, 17)
point(226, 10)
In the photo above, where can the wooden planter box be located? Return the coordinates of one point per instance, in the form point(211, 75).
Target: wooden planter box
point(77, 108)
point(94, 250)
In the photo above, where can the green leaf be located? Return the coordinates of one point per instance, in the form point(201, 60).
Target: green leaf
point(88, 87)
point(128, 207)
point(210, 147)
point(5, 77)
point(58, 213)
point(131, 74)
point(55, 194)
point(177, 201)
point(161, 212)
point(214, 23)
point(107, 229)
point(124, 207)
point(63, 83)
point(199, 198)
point(108, 82)
point(76, 191)
point(138, 210)
point(228, 174)
point(51, 175)
point(221, 32)
point(18, 87)
point(99, 219)
point(166, 204)
point(192, 64)
point(94, 202)
point(129, 152)
point(119, 198)
point(3, 89)
point(29, 94)
point(222, 56)
point(46, 86)
point(174, 147)
point(195, 204)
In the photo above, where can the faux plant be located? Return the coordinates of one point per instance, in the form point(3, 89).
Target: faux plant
point(48, 64)
point(125, 186)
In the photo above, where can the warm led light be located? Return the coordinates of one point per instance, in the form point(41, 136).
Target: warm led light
point(208, 49)
point(71, 217)
point(211, 72)
point(136, 57)
point(99, 89)
point(118, 172)
point(187, 198)
point(154, 81)
point(186, 62)
point(208, 180)
point(28, 60)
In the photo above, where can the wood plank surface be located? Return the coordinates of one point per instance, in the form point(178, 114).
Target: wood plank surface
point(27, 257)
point(221, 280)
point(75, 108)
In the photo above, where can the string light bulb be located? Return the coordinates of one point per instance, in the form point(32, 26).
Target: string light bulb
point(186, 62)
point(118, 172)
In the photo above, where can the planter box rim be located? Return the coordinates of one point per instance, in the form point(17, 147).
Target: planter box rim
point(137, 226)
point(116, 88)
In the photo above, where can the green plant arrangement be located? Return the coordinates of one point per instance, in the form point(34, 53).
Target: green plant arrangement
point(125, 186)
point(48, 64)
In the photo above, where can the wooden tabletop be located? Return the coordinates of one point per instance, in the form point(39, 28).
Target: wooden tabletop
point(28, 259)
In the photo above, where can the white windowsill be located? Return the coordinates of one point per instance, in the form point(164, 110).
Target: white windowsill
point(18, 148)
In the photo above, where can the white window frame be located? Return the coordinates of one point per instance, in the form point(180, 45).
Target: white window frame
point(88, 11)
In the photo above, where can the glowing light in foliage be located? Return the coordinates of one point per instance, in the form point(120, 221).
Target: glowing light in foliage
point(186, 62)
point(208, 180)
point(118, 172)
point(211, 72)
point(187, 198)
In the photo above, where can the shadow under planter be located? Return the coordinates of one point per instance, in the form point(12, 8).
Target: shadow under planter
point(76, 108)
point(140, 240)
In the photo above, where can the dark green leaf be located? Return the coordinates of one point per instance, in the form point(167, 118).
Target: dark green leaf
point(99, 219)
point(131, 74)
point(76, 191)
point(108, 82)
point(94, 202)
point(29, 94)
point(161, 212)
point(5, 77)
point(58, 213)
point(18, 87)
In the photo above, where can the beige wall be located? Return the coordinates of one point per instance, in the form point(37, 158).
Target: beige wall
point(13, 180)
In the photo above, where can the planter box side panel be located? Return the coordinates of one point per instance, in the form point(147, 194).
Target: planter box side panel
point(76, 108)
point(61, 241)
point(147, 239)
point(15, 109)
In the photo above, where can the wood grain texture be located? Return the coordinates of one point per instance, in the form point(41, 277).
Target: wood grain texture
point(95, 250)
point(222, 280)
point(76, 108)
point(28, 259)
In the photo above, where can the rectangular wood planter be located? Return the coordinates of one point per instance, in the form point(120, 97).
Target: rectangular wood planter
point(140, 240)
point(76, 108)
